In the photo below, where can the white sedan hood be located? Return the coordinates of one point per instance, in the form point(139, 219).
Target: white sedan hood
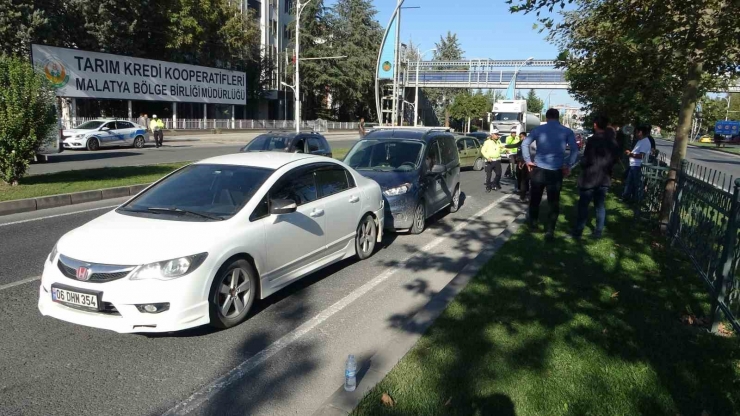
point(128, 240)
point(72, 132)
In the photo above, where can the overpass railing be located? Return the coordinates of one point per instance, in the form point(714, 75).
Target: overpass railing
point(461, 77)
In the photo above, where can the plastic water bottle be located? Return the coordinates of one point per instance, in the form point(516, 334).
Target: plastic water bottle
point(350, 374)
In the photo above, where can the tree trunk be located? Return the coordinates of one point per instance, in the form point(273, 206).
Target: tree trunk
point(447, 117)
point(688, 104)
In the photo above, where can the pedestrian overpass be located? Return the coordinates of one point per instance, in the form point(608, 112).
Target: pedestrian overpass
point(490, 74)
point(484, 74)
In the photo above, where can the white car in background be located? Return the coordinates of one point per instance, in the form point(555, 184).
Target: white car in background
point(204, 243)
point(95, 134)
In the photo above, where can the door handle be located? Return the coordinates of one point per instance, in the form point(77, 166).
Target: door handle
point(316, 213)
point(354, 198)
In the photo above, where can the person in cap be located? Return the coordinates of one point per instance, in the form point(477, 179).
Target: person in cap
point(156, 126)
point(491, 152)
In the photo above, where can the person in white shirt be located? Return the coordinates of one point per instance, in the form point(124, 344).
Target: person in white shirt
point(633, 185)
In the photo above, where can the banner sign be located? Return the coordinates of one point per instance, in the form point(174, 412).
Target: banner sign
point(83, 74)
point(388, 51)
point(728, 128)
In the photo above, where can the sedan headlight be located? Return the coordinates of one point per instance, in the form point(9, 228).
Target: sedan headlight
point(78, 136)
point(398, 190)
point(53, 254)
point(169, 269)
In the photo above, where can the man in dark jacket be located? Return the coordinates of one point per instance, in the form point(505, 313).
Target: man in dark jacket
point(601, 154)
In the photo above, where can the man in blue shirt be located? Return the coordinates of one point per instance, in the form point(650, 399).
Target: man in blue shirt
point(548, 167)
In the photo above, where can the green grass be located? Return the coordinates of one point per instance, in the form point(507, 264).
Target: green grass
point(84, 180)
point(90, 179)
point(731, 148)
point(590, 328)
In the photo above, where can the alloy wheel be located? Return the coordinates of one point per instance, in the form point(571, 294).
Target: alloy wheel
point(233, 293)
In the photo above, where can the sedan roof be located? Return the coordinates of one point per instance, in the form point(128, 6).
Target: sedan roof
point(268, 160)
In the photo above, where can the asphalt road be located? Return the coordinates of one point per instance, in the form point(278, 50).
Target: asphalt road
point(723, 162)
point(176, 149)
point(286, 359)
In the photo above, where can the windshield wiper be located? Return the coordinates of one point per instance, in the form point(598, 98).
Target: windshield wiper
point(185, 212)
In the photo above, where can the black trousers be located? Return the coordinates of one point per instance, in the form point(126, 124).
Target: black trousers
point(494, 166)
point(552, 181)
point(158, 137)
point(522, 177)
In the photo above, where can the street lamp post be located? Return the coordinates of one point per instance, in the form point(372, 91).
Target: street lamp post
point(516, 71)
point(727, 113)
point(416, 90)
point(297, 90)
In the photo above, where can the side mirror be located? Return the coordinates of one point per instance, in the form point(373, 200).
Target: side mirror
point(439, 169)
point(282, 206)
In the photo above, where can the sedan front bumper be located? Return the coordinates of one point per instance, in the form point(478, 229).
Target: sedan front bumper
point(188, 304)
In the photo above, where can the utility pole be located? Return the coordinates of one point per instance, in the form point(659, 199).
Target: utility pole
point(396, 60)
point(416, 91)
point(297, 90)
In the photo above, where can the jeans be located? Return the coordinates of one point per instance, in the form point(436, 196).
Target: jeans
point(494, 166)
point(598, 195)
point(633, 184)
point(552, 181)
point(512, 169)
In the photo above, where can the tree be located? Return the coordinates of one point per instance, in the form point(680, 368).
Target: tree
point(468, 105)
point(534, 103)
point(448, 49)
point(698, 43)
point(355, 33)
point(27, 115)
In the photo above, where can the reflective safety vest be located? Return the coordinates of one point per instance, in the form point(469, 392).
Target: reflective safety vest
point(512, 140)
point(492, 149)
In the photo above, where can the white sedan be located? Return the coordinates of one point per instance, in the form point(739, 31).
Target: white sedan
point(93, 135)
point(204, 243)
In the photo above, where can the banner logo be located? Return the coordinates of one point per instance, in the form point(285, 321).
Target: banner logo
point(56, 74)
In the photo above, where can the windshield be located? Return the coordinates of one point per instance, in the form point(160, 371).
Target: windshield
point(201, 190)
point(90, 125)
point(385, 155)
point(268, 143)
point(507, 116)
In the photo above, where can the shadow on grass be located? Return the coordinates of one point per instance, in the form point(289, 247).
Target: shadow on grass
point(589, 327)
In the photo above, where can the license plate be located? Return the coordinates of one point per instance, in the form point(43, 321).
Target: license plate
point(70, 297)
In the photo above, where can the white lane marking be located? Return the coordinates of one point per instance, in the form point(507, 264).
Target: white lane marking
point(20, 282)
point(56, 216)
point(208, 391)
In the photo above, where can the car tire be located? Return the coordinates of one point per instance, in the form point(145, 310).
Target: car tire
point(234, 281)
point(139, 142)
point(479, 164)
point(419, 220)
point(365, 237)
point(93, 144)
point(455, 203)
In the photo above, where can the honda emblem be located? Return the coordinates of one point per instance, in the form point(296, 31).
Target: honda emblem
point(83, 273)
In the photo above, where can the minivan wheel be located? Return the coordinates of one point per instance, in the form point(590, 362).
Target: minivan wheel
point(455, 203)
point(479, 164)
point(93, 144)
point(232, 294)
point(367, 234)
point(420, 217)
point(139, 142)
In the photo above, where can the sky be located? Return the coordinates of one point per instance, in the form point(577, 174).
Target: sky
point(485, 29)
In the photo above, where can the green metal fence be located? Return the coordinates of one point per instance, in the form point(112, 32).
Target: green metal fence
point(705, 215)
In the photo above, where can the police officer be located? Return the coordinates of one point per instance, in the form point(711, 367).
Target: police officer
point(491, 152)
point(156, 126)
point(511, 141)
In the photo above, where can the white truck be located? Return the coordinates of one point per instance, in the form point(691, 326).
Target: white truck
point(513, 113)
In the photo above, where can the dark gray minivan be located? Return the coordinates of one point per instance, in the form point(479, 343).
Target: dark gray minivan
point(417, 169)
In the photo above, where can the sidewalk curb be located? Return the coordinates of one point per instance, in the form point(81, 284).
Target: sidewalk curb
point(43, 202)
point(379, 365)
